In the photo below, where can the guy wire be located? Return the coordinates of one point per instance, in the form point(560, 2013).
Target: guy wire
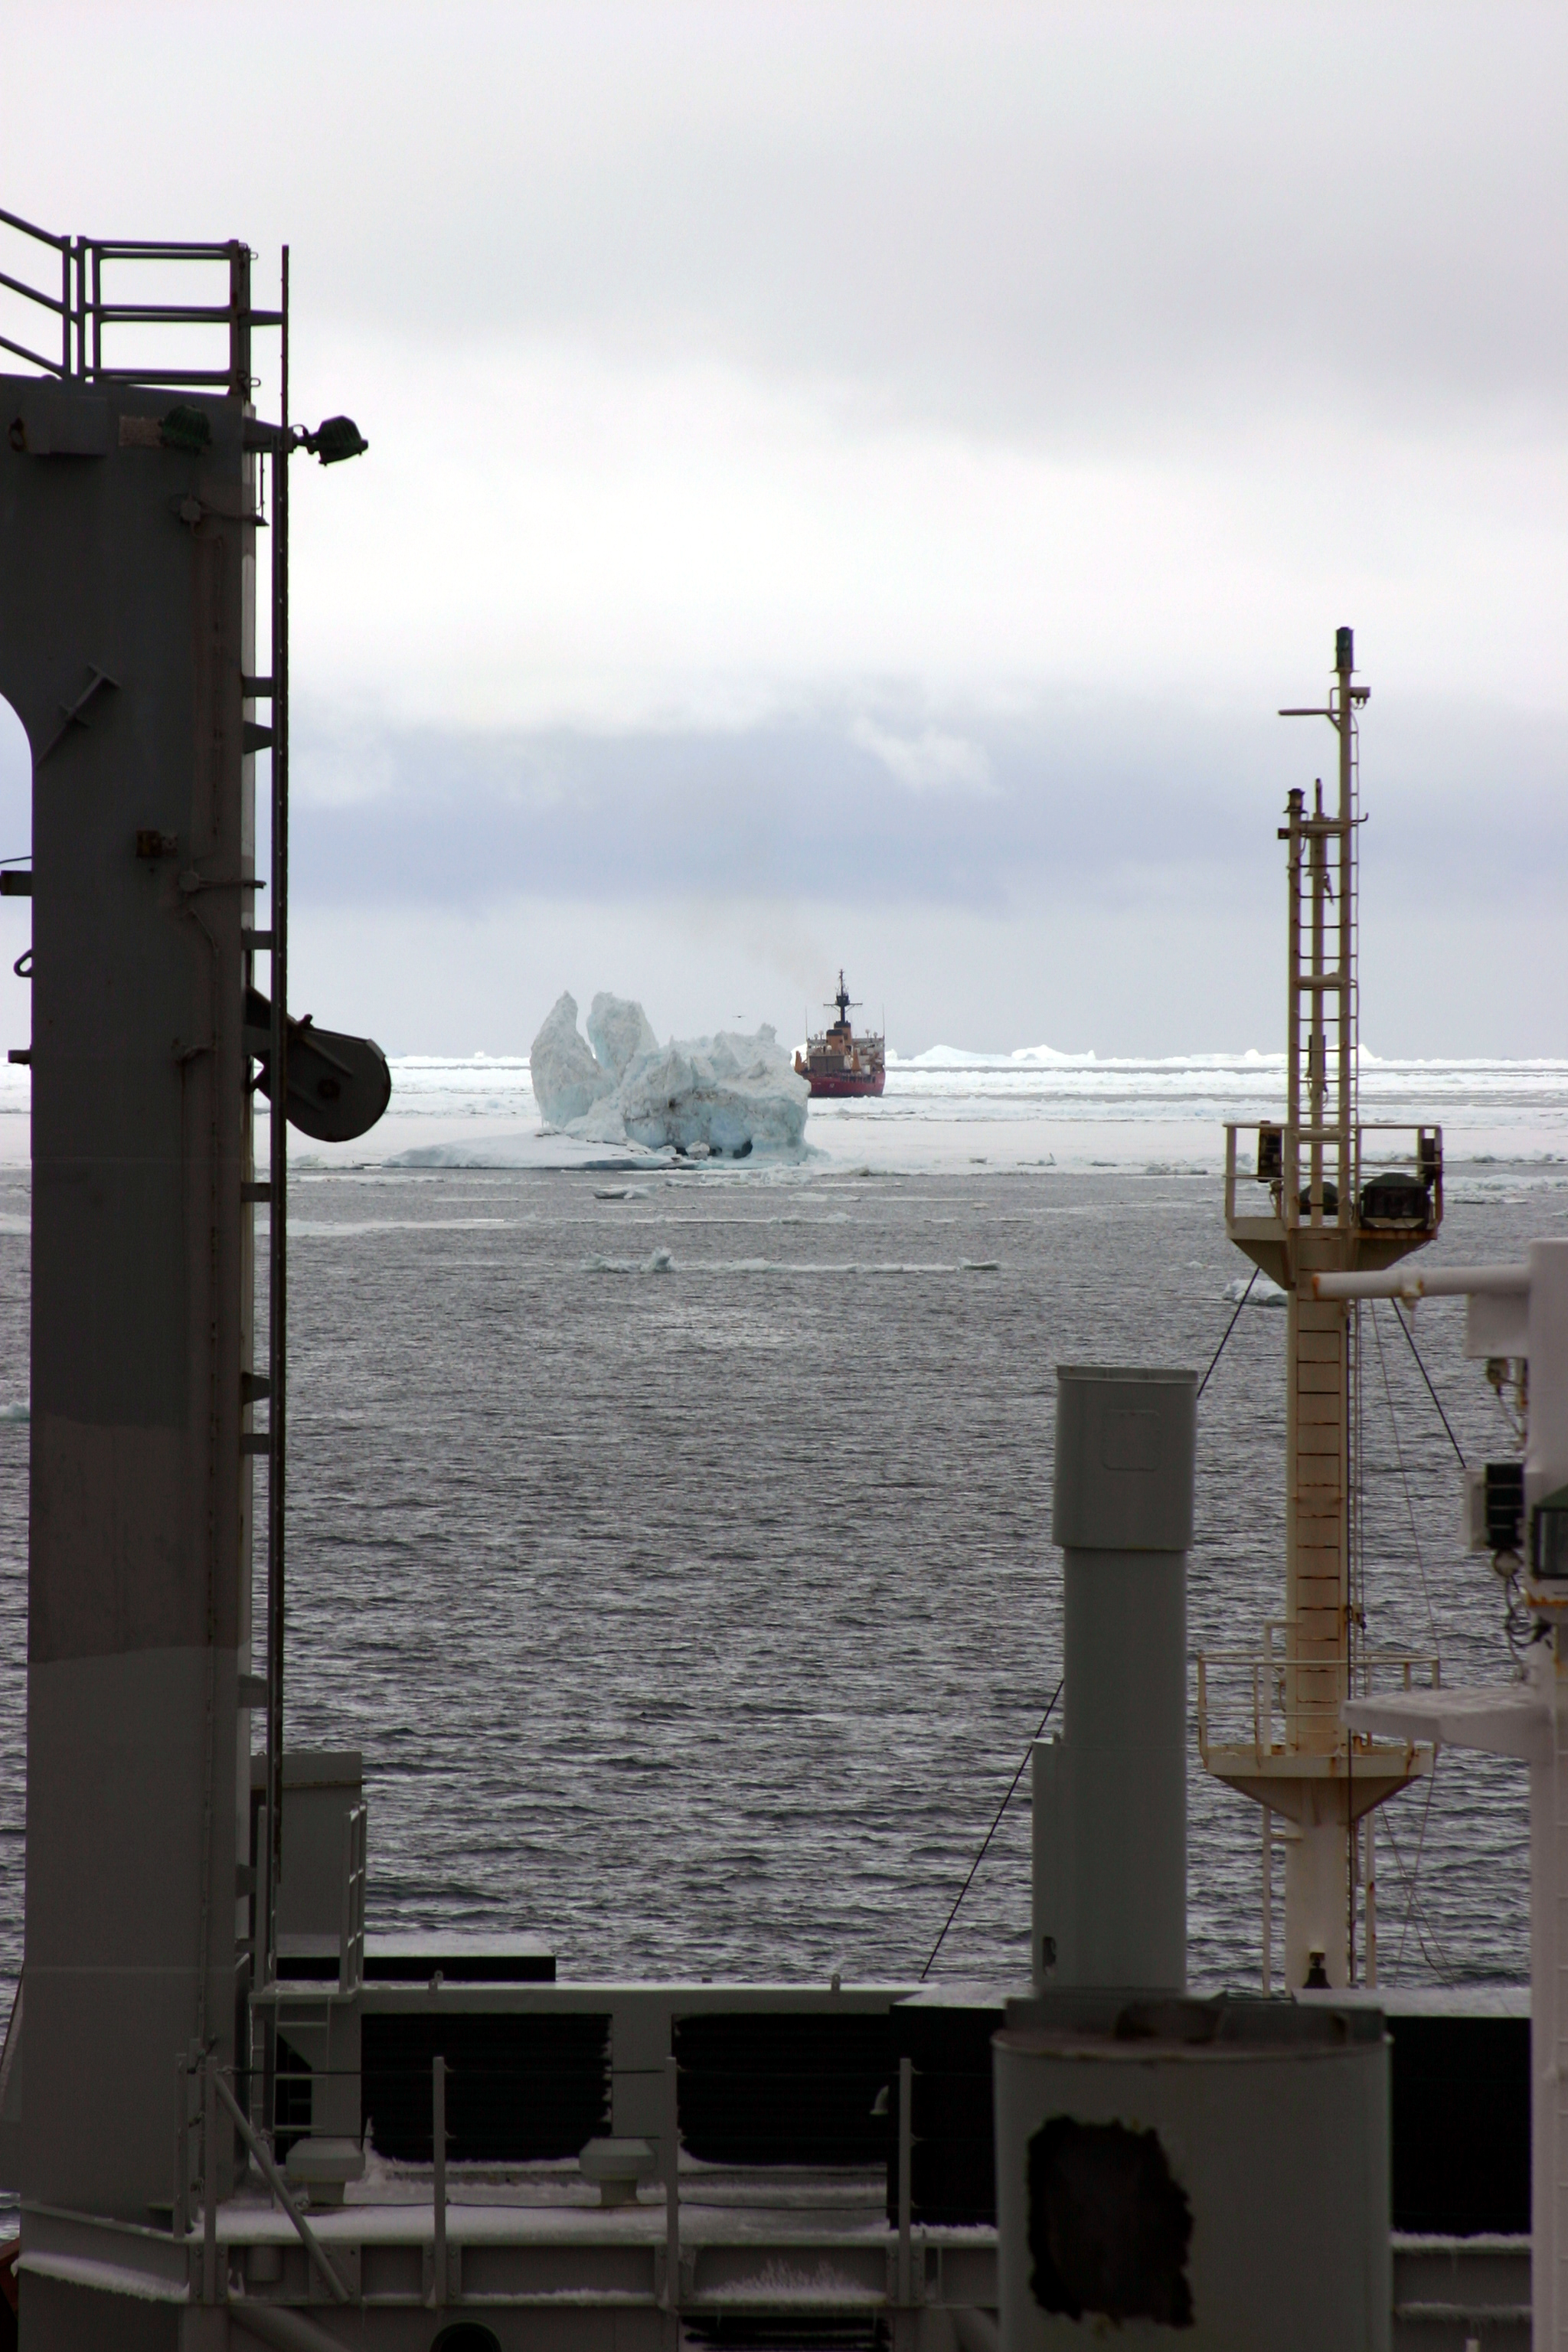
point(990, 1834)
point(1228, 1329)
point(1427, 1378)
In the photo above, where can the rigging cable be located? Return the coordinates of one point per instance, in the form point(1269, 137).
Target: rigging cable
point(1427, 1378)
point(1440, 1966)
point(1228, 1329)
point(1436, 1959)
point(1403, 1476)
point(990, 1834)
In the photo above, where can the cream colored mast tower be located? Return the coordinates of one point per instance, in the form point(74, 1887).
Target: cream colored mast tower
point(1326, 1214)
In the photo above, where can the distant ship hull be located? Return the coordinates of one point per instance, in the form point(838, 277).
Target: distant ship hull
point(844, 1082)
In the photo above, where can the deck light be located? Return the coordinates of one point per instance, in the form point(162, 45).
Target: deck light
point(332, 442)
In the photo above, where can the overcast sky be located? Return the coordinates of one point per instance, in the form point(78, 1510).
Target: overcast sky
point(853, 483)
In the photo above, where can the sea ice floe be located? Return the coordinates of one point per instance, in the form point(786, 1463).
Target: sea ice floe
point(725, 1094)
point(1256, 1290)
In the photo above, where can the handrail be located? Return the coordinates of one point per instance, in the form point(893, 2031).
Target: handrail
point(19, 286)
point(275, 2181)
point(1283, 1201)
point(50, 367)
point(84, 310)
point(1273, 1696)
point(30, 228)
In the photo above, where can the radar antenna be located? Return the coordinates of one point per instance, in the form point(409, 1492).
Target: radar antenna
point(846, 1003)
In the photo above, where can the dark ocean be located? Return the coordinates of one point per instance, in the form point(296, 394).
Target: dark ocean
point(682, 1564)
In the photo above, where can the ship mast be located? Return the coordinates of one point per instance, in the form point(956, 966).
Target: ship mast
point(1299, 1762)
point(844, 1002)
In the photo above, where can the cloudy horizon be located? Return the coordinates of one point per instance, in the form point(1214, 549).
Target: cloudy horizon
point(854, 486)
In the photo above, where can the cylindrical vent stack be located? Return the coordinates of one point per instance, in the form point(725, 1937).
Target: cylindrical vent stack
point(1110, 1793)
point(1213, 2170)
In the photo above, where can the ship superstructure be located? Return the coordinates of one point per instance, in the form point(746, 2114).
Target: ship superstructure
point(836, 1062)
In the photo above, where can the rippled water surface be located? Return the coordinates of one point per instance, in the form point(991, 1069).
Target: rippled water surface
point(682, 1564)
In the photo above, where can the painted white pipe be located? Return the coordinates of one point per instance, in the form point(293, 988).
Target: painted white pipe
point(1432, 1282)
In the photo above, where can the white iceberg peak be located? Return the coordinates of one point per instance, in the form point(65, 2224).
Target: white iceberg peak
point(618, 1031)
point(728, 1094)
point(567, 1080)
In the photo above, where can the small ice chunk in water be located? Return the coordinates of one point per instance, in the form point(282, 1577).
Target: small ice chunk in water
point(1264, 1293)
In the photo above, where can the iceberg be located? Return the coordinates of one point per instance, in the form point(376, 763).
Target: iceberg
point(727, 1095)
point(618, 1032)
point(567, 1080)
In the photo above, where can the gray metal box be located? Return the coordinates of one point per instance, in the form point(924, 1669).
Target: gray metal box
point(1125, 1444)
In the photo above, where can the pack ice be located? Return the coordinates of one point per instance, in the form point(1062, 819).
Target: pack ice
point(728, 1094)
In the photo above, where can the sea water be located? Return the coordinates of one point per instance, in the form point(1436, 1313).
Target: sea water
point(675, 1541)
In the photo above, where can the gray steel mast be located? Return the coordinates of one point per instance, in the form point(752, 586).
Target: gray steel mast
point(129, 514)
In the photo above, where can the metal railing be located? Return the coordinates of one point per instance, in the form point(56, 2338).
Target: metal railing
point(1284, 1179)
point(217, 2112)
point(214, 2087)
point(1273, 1701)
point(351, 1939)
point(85, 310)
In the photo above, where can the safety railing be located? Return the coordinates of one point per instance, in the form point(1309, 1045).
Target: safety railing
point(74, 299)
point(1280, 1148)
point(219, 2111)
point(1273, 1701)
point(208, 2110)
point(350, 1940)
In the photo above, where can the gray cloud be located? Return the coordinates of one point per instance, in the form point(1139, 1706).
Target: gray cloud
point(1236, 321)
point(1124, 217)
point(1104, 805)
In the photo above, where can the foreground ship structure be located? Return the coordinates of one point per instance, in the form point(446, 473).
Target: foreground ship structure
point(235, 2119)
point(1339, 1195)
